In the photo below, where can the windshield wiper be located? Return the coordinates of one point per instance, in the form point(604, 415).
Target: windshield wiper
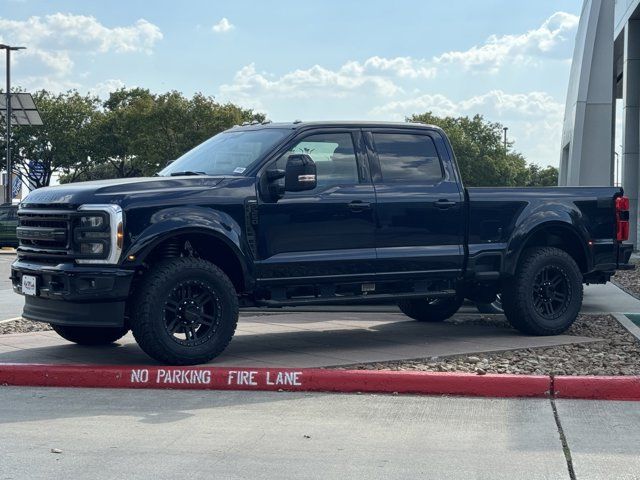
point(185, 173)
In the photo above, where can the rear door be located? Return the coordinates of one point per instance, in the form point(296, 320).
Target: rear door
point(420, 229)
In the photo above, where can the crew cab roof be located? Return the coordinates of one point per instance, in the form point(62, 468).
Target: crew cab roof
point(296, 125)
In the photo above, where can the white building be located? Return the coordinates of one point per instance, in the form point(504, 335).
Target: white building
point(605, 72)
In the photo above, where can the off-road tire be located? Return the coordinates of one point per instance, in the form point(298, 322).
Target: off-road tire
point(430, 309)
point(148, 323)
point(520, 294)
point(90, 335)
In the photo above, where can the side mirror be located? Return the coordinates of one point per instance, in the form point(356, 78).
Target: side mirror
point(300, 173)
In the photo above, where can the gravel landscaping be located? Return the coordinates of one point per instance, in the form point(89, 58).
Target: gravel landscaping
point(617, 354)
point(629, 280)
point(22, 326)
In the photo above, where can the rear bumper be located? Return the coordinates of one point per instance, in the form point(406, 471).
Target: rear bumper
point(68, 294)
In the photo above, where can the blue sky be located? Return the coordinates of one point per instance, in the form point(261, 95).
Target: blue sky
point(506, 59)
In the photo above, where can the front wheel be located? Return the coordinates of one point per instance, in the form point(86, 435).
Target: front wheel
point(185, 311)
point(545, 295)
point(430, 309)
point(90, 335)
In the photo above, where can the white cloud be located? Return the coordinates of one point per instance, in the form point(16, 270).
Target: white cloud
point(495, 103)
point(70, 32)
point(103, 89)
point(223, 26)
point(402, 66)
point(552, 39)
point(54, 41)
point(52, 83)
point(249, 83)
point(376, 73)
point(389, 76)
point(534, 118)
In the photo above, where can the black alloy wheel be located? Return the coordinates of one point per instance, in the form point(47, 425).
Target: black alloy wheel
point(192, 313)
point(551, 292)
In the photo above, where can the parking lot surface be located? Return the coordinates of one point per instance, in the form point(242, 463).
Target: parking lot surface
point(232, 435)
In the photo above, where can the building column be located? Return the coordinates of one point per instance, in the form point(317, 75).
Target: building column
point(631, 119)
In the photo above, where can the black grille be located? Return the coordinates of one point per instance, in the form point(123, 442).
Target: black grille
point(44, 233)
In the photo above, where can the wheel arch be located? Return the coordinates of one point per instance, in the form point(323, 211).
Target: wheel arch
point(214, 236)
point(562, 235)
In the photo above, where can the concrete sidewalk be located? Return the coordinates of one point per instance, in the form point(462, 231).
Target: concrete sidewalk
point(298, 340)
point(132, 434)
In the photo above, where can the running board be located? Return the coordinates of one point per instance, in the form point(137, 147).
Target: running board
point(293, 302)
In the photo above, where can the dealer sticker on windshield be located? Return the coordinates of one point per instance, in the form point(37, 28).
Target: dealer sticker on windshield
point(28, 285)
point(239, 170)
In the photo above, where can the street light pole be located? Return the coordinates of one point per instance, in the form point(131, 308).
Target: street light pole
point(8, 195)
point(504, 129)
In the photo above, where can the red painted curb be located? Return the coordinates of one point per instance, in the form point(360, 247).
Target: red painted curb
point(597, 388)
point(266, 379)
point(319, 380)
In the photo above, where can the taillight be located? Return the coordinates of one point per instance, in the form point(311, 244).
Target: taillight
point(622, 219)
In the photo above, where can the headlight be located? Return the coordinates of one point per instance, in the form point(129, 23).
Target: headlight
point(91, 222)
point(92, 248)
point(99, 234)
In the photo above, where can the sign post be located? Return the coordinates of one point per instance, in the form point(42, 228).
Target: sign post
point(16, 113)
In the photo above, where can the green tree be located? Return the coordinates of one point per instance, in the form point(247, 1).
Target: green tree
point(542, 177)
point(63, 144)
point(481, 156)
point(138, 132)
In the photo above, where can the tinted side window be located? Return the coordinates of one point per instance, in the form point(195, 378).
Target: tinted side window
point(334, 156)
point(407, 158)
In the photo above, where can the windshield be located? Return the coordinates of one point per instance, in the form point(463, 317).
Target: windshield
point(228, 153)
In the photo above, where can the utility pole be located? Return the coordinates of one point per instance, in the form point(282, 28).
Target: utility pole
point(504, 129)
point(9, 192)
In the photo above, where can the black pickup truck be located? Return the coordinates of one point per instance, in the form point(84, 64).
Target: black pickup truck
point(300, 213)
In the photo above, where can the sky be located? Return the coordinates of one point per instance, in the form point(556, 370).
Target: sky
point(508, 60)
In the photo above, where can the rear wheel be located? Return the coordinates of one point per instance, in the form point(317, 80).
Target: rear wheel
point(90, 335)
point(185, 311)
point(545, 295)
point(430, 309)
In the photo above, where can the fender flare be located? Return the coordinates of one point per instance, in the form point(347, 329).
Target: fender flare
point(523, 234)
point(175, 221)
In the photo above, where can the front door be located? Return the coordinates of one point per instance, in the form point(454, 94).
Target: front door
point(419, 205)
point(326, 233)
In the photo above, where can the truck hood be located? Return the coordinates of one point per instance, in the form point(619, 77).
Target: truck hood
point(117, 190)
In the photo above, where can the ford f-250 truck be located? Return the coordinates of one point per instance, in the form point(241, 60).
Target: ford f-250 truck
point(306, 213)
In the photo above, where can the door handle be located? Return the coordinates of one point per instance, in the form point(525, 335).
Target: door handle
point(443, 204)
point(359, 206)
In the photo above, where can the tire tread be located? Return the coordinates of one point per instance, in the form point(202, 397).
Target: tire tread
point(145, 298)
point(516, 290)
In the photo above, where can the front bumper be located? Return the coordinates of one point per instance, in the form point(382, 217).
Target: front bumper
point(68, 294)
